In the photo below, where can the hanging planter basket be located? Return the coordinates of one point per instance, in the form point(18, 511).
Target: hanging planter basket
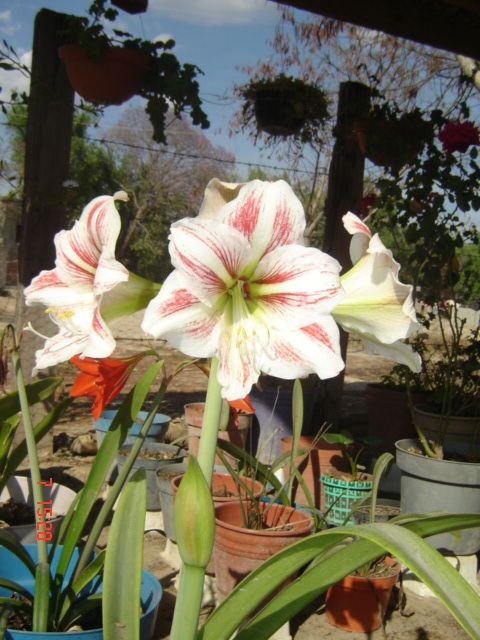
point(112, 79)
point(285, 106)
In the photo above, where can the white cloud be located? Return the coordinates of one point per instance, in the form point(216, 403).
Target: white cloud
point(218, 12)
point(163, 37)
point(14, 79)
point(7, 28)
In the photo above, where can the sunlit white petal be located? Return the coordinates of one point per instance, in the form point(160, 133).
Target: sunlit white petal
point(361, 236)
point(217, 194)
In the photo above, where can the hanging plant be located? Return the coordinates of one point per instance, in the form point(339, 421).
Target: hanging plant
point(109, 69)
point(390, 139)
point(285, 106)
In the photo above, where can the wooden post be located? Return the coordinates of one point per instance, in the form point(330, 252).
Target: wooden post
point(47, 152)
point(345, 189)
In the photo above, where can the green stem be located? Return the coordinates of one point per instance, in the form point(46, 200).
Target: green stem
point(189, 603)
point(211, 421)
point(190, 592)
point(40, 603)
point(119, 483)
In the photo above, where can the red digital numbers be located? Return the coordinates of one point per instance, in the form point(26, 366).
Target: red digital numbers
point(45, 512)
point(47, 484)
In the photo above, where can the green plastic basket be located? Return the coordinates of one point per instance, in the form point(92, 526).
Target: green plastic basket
point(340, 497)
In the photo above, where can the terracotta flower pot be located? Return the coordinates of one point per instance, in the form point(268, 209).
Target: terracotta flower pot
point(239, 550)
point(113, 79)
point(233, 433)
point(354, 603)
point(322, 458)
point(224, 489)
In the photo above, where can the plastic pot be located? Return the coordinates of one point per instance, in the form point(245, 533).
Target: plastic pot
point(341, 496)
point(156, 433)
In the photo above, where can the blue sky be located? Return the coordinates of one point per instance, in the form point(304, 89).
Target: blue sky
point(222, 35)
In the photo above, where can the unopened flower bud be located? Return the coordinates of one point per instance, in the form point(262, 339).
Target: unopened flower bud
point(194, 517)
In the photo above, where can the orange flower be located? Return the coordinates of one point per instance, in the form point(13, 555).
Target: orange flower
point(240, 405)
point(102, 379)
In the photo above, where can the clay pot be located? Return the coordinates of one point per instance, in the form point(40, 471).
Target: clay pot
point(233, 433)
point(389, 416)
point(222, 485)
point(113, 79)
point(322, 458)
point(353, 603)
point(239, 550)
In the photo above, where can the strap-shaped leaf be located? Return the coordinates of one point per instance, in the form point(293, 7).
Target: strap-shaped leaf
point(9, 541)
point(403, 541)
point(13, 586)
point(123, 564)
point(36, 392)
point(111, 444)
point(90, 572)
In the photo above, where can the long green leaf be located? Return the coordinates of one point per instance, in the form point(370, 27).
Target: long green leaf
point(402, 541)
point(5, 583)
point(36, 392)
point(11, 543)
point(41, 597)
point(123, 564)
point(111, 444)
point(83, 607)
point(7, 433)
point(90, 572)
point(43, 427)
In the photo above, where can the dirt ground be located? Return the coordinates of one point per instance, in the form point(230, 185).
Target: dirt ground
point(421, 618)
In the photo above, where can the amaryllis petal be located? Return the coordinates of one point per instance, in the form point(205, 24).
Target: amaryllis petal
point(293, 284)
point(209, 254)
point(216, 195)
point(361, 236)
point(398, 351)
point(102, 379)
point(109, 273)
point(268, 214)
point(313, 349)
point(179, 317)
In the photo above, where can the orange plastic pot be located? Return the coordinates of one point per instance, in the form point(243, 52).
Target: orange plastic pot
point(113, 79)
point(322, 457)
point(239, 550)
point(359, 603)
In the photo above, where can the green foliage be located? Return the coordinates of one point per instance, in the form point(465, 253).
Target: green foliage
point(167, 84)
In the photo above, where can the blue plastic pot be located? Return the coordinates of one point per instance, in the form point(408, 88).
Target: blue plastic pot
point(12, 568)
point(156, 433)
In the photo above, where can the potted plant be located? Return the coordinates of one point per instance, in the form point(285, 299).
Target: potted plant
point(110, 68)
point(392, 139)
point(284, 106)
point(52, 606)
point(342, 489)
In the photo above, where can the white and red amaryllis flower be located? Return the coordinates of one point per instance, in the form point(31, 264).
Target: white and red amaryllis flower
point(246, 291)
point(88, 289)
point(377, 306)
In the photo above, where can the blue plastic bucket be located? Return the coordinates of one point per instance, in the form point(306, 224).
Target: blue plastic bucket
point(156, 433)
point(13, 569)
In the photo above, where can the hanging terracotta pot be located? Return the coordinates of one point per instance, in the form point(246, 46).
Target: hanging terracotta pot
point(359, 603)
point(239, 550)
point(113, 79)
point(237, 434)
point(322, 458)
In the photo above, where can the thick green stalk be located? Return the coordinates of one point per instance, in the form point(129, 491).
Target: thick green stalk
point(190, 592)
point(188, 604)
point(40, 604)
point(211, 421)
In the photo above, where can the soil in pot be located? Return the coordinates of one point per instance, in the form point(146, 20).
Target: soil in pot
point(385, 510)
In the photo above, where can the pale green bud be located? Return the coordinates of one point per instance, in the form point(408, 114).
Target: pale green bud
point(194, 517)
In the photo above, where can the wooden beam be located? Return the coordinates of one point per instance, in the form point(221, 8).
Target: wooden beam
point(345, 190)
point(47, 153)
point(443, 24)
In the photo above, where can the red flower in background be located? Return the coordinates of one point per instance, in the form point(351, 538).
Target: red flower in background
point(366, 203)
point(458, 136)
point(102, 379)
